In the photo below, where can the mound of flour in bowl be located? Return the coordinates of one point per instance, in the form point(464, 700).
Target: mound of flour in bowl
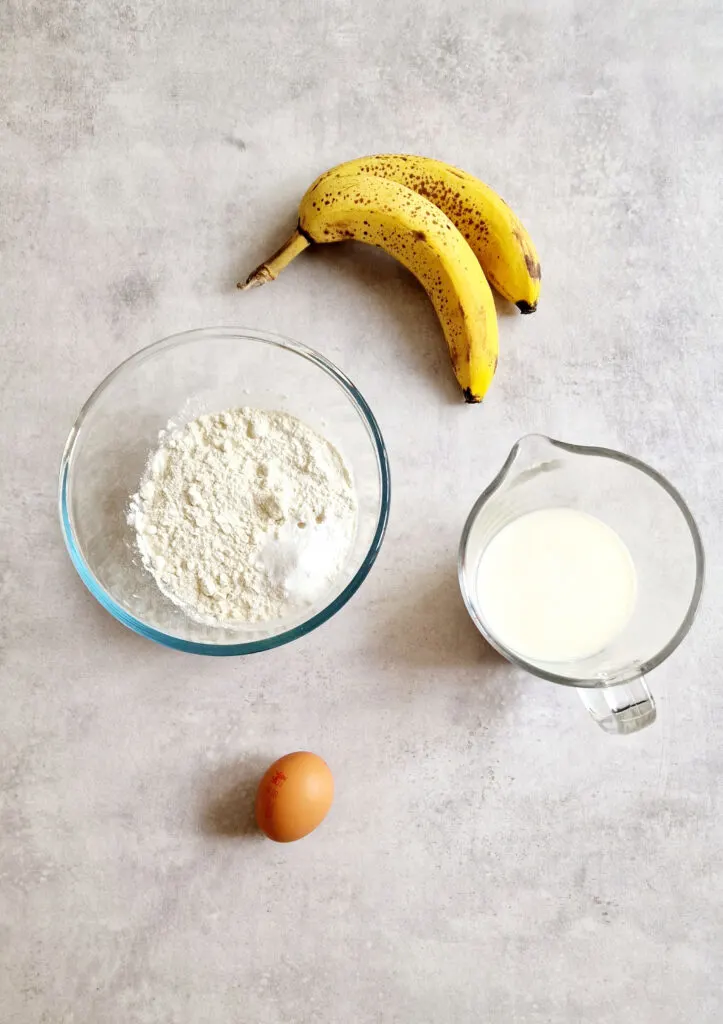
point(244, 516)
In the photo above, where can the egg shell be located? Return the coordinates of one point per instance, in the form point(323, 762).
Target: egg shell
point(294, 796)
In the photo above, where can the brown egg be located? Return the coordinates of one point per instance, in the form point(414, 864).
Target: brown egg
point(294, 796)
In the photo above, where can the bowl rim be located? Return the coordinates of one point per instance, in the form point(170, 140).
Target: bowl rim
point(268, 643)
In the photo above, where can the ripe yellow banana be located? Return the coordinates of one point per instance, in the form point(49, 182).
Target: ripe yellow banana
point(412, 229)
point(497, 237)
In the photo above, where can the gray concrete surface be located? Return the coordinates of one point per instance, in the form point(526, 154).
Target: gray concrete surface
point(491, 856)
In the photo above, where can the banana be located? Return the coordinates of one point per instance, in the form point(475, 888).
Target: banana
point(496, 236)
point(412, 229)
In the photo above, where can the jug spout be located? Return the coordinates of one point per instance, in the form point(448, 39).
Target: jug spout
point(534, 447)
point(532, 455)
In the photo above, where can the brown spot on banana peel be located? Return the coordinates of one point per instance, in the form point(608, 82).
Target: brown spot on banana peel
point(533, 267)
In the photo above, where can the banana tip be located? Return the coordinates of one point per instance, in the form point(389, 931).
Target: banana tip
point(470, 397)
point(526, 307)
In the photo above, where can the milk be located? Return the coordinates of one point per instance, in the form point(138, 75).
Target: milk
point(555, 585)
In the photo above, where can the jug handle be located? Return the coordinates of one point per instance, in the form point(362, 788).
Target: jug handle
point(620, 708)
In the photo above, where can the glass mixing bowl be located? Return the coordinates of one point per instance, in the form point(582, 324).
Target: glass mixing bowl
point(177, 379)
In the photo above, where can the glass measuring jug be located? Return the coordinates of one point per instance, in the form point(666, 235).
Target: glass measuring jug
point(654, 523)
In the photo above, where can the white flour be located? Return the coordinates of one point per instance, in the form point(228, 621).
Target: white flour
point(244, 516)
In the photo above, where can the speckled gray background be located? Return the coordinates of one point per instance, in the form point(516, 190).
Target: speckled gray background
point(491, 856)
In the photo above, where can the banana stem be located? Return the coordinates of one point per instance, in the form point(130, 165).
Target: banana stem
point(272, 267)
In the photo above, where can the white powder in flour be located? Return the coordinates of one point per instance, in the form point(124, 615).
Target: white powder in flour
point(244, 516)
